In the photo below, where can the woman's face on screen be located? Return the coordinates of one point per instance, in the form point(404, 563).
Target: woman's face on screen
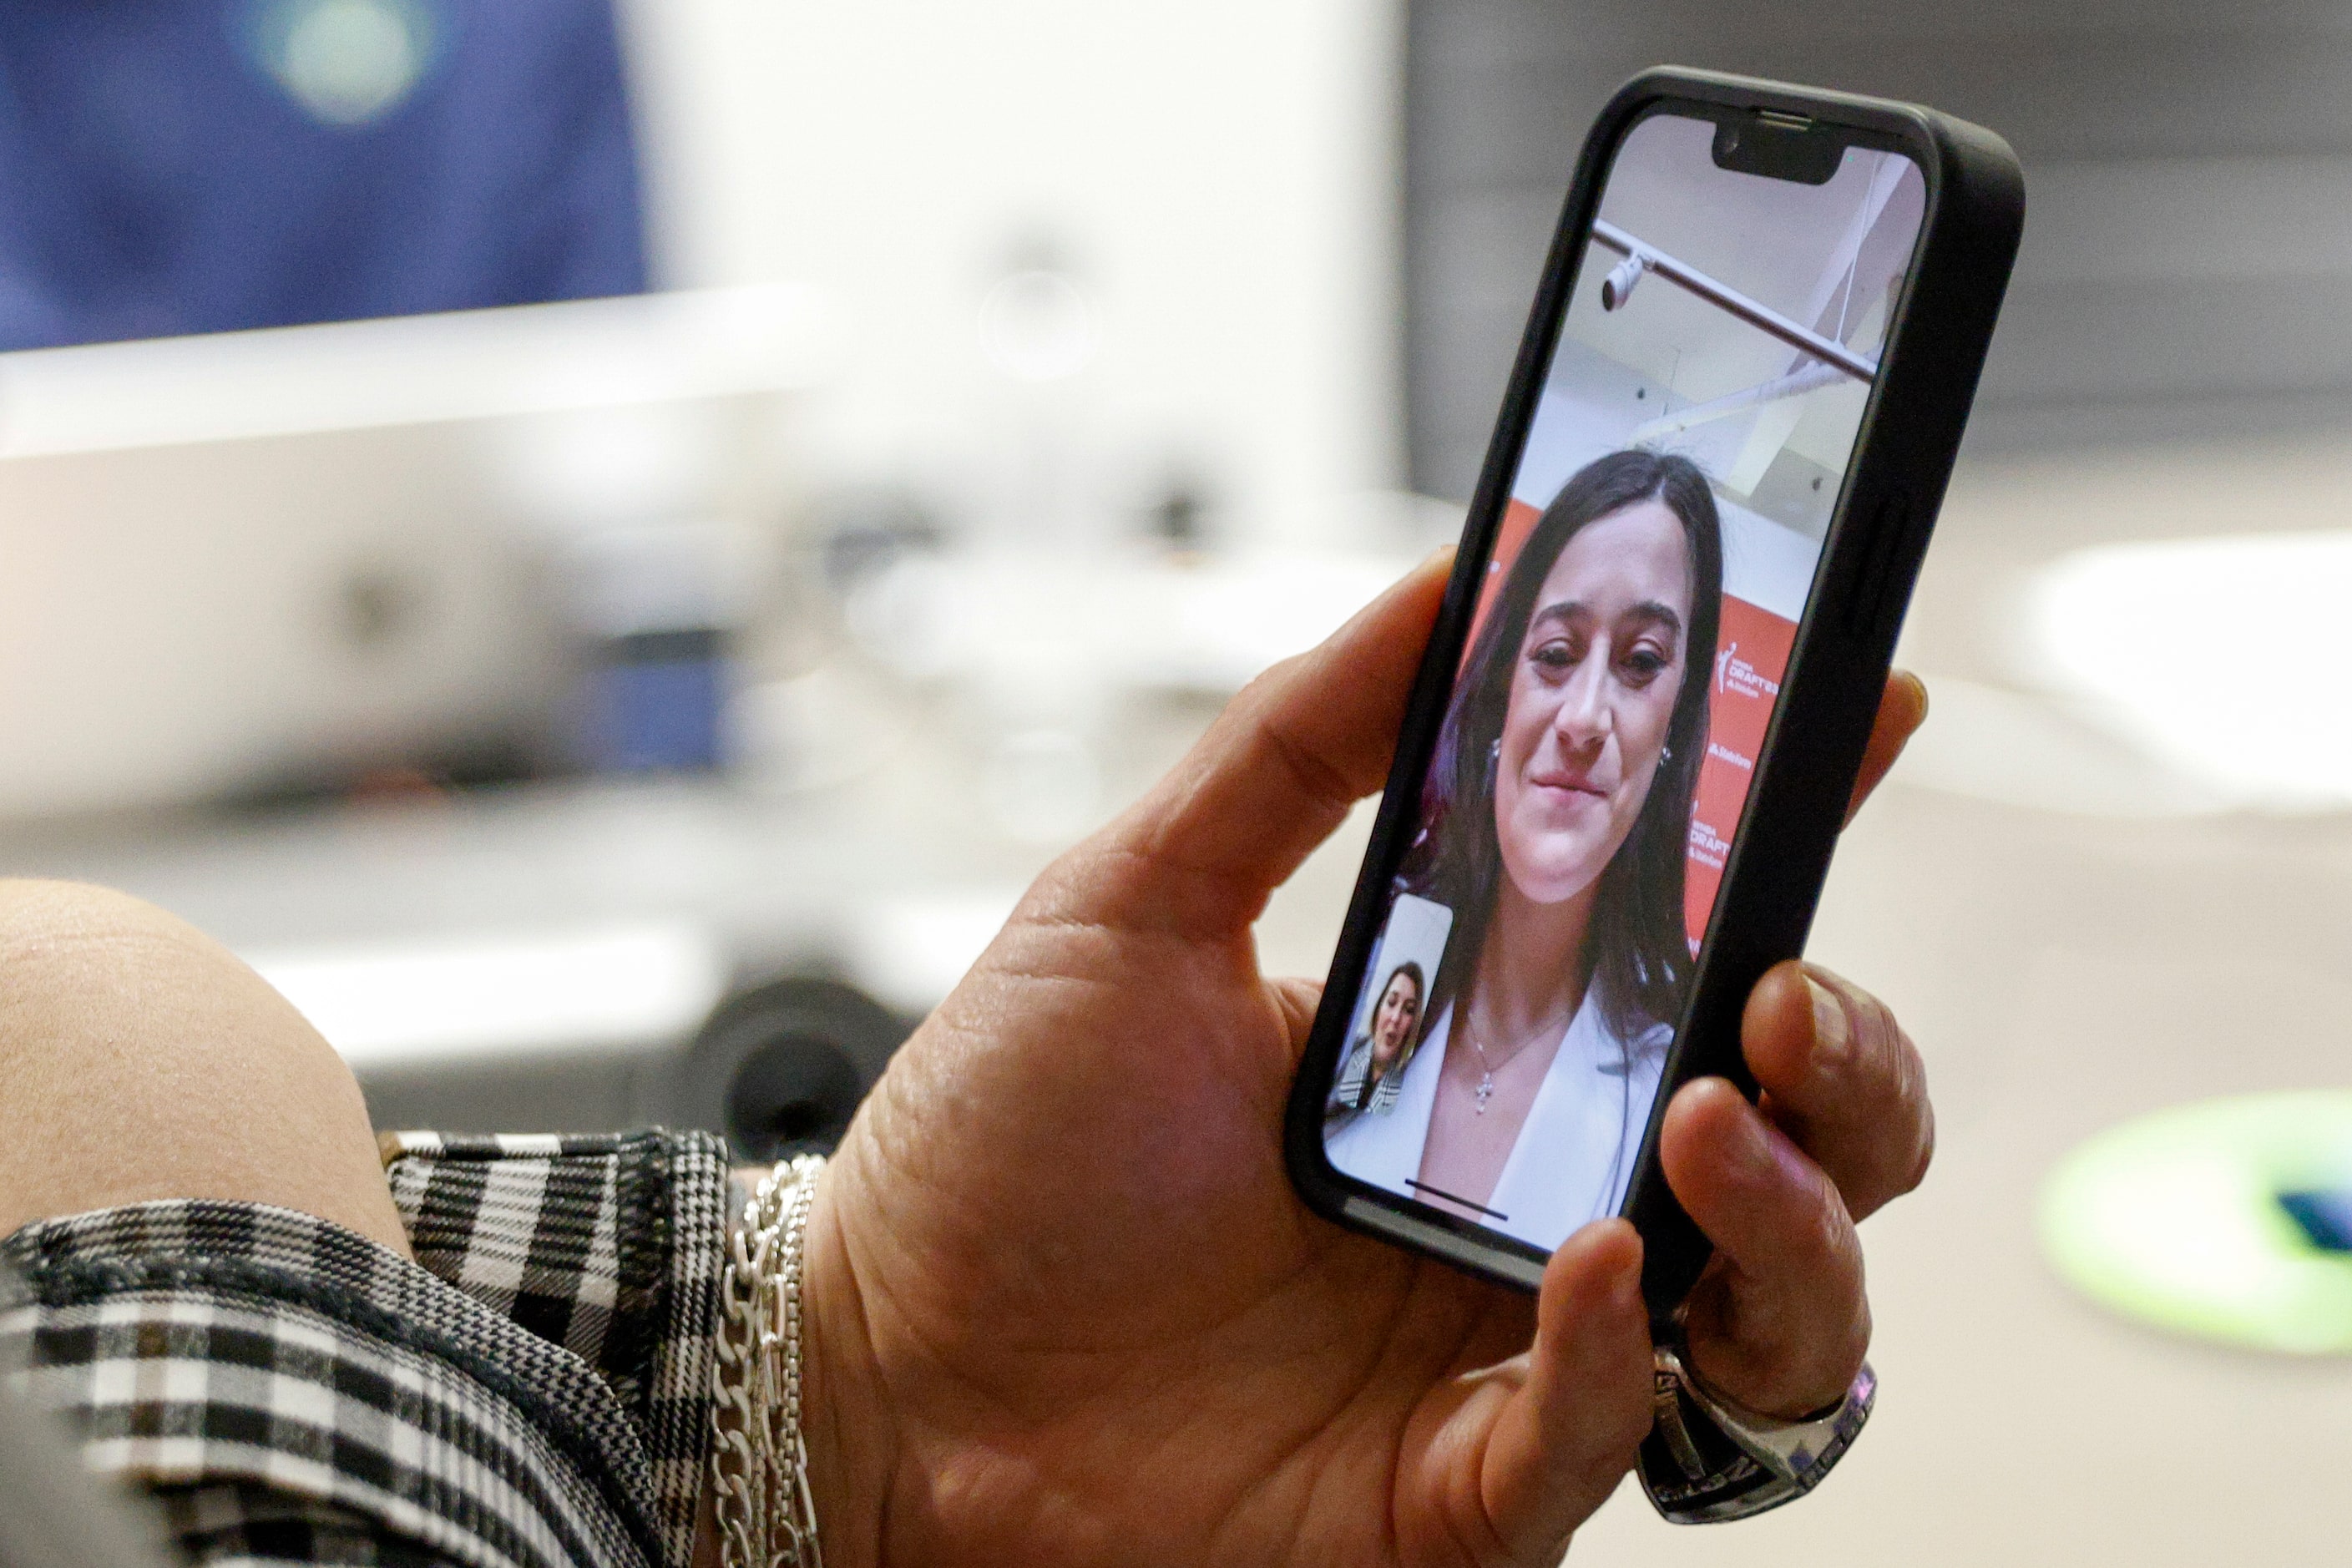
point(1592, 694)
point(1393, 1019)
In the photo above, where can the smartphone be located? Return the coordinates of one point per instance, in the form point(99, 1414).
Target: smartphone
point(1631, 740)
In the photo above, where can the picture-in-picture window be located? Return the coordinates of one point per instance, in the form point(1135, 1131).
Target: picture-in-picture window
point(1386, 1029)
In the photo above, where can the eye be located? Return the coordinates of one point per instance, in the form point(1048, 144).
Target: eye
point(1555, 656)
point(1645, 663)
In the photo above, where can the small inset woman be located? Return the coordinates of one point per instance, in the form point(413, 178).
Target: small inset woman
point(1374, 1067)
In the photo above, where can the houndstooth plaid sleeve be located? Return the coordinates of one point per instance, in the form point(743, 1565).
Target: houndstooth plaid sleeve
point(534, 1391)
point(609, 1245)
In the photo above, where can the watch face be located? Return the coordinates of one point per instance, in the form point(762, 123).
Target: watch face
point(1705, 1462)
point(2229, 1220)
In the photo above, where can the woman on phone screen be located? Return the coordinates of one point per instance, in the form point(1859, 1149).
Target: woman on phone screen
point(1370, 1073)
point(1554, 824)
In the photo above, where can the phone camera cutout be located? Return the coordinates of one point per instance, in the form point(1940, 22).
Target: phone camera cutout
point(1778, 147)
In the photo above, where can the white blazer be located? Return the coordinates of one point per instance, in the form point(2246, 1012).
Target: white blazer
point(1575, 1153)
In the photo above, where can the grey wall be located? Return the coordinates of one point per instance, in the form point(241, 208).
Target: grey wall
point(2189, 237)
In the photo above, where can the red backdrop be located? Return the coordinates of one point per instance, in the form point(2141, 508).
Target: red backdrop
point(1751, 650)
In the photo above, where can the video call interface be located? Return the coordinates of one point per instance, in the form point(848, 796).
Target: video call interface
point(1643, 594)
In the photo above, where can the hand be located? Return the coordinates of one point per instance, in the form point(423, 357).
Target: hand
point(1065, 1307)
point(1780, 1321)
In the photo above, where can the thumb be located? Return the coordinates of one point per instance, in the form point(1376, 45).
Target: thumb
point(1273, 777)
point(1559, 1432)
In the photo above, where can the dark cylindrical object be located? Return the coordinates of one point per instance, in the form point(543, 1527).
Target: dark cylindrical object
point(780, 1068)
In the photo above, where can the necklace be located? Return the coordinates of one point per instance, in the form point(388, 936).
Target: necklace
point(1488, 1066)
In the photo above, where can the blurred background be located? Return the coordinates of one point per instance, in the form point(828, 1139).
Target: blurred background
point(601, 544)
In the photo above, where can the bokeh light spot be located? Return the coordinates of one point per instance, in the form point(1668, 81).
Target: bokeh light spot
point(346, 62)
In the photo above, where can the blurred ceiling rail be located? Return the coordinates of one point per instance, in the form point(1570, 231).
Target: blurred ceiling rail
point(1762, 317)
point(531, 359)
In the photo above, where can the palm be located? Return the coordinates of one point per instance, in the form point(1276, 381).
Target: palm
point(1159, 1353)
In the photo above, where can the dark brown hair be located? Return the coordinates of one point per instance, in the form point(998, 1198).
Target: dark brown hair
point(1636, 950)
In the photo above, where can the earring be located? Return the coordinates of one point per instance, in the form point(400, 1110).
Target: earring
point(1665, 754)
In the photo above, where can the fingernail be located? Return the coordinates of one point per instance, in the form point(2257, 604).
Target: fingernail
point(1832, 1040)
point(1625, 1290)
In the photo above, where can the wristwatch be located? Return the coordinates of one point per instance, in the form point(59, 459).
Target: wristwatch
point(1709, 1459)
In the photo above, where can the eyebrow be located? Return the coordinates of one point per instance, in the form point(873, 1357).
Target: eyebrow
point(1567, 609)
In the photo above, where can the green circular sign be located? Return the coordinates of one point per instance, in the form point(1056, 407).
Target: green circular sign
point(2224, 1219)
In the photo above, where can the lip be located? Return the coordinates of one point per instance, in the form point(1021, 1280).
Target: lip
point(1568, 784)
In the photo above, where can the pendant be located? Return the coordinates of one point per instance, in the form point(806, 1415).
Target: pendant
point(1486, 1088)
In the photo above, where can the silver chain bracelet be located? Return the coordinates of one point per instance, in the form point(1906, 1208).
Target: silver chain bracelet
point(759, 1460)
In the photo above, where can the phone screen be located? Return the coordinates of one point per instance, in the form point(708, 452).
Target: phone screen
point(1644, 593)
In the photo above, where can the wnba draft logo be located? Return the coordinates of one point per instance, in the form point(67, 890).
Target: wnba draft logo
point(1738, 679)
point(1735, 677)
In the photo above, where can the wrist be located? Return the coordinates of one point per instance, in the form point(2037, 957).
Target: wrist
point(844, 1418)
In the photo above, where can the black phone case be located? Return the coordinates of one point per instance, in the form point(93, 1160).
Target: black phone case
point(1830, 693)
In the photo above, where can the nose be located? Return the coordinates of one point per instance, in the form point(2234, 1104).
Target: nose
point(1585, 718)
